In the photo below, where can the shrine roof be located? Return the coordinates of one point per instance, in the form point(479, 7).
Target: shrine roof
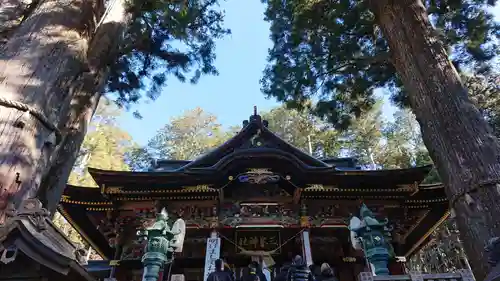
point(256, 147)
point(410, 194)
point(161, 165)
point(78, 217)
point(32, 233)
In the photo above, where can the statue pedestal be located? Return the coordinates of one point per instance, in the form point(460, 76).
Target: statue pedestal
point(153, 265)
point(379, 259)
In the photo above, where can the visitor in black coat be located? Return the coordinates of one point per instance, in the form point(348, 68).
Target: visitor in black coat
point(228, 269)
point(254, 271)
point(299, 271)
point(219, 274)
point(283, 274)
point(327, 273)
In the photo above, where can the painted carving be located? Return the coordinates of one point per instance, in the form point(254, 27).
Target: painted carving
point(327, 213)
point(259, 176)
point(196, 216)
point(304, 217)
point(133, 250)
point(233, 215)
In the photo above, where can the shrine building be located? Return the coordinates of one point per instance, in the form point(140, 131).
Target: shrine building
point(257, 194)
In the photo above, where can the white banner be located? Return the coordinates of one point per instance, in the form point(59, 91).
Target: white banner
point(212, 254)
point(306, 248)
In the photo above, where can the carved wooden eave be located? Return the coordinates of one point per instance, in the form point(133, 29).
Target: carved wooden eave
point(30, 231)
point(203, 188)
point(102, 199)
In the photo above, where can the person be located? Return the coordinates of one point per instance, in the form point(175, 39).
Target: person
point(254, 272)
point(299, 271)
point(259, 272)
point(228, 269)
point(283, 274)
point(327, 273)
point(219, 274)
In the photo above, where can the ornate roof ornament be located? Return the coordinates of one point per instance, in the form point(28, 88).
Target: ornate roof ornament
point(28, 229)
point(30, 209)
point(259, 176)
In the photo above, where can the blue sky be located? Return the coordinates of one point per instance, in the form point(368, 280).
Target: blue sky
point(241, 58)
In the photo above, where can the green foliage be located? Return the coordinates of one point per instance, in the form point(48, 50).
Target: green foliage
point(363, 138)
point(186, 137)
point(299, 128)
point(196, 132)
point(485, 93)
point(68, 230)
point(104, 146)
point(72, 234)
point(333, 51)
point(139, 158)
point(165, 38)
point(403, 146)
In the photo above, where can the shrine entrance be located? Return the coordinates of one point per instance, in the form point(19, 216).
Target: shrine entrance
point(276, 247)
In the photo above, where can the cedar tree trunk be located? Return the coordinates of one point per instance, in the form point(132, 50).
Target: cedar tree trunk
point(102, 52)
point(459, 140)
point(38, 64)
point(12, 13)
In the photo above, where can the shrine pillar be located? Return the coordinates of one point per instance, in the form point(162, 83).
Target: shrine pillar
point(116, 243)
point(212, 253)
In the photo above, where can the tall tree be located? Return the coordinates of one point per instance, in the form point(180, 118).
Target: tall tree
point(402, 141)
point(105, 146)
point(364, 136)
point(196, 132)
point(12, 13)
point(340, 51)
point(86, 89)
point(303, 130)
point(53, 34)
point(85, 61)
point(187, 136)
point(484, 91)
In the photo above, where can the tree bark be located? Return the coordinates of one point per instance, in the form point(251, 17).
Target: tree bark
point(12, 13)
point(38, 64)
point(459, 140)
point(102, 52)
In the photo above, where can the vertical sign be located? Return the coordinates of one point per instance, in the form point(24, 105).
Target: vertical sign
point(306, 247)
point(213, 253)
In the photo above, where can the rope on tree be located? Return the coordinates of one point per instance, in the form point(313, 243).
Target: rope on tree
point(466, 193)
point(39, 115)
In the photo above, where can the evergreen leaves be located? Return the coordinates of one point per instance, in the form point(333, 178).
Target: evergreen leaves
point(334, 52)
point(165, 38)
